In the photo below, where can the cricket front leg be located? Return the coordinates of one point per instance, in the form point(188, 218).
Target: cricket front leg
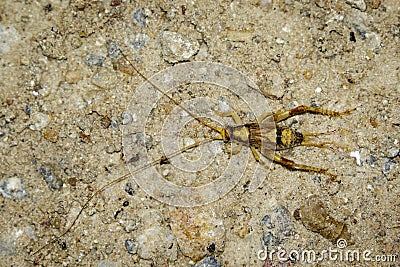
point(233, 151)
point(232, 114)
point(283, 115)
point(302, 167)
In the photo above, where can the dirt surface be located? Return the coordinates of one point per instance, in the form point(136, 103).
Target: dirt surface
point(64, 97)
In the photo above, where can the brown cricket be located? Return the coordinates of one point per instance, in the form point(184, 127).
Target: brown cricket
point(265, 137)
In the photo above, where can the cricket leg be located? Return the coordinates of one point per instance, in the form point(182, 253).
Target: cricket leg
point(309, 140)
point(296, 166)
point(264, 115)
point(258, 158)
point(283, 115)
point(232, 114)
point(235, 150)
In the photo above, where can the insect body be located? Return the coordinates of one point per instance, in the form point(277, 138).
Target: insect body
point(265, 138)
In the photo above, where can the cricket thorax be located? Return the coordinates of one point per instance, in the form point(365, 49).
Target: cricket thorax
point(286, 138)
point(239, 133)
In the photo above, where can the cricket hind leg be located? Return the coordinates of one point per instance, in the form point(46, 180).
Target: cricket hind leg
point(290, 164)
point(283, 115)
point(309, 139)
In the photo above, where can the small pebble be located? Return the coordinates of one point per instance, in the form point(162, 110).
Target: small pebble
point(177, 48)
point(131, 246)
point(352, 37)
point(356, 155)
point(281, 217)
point(95, 60)
point(109, 249)
point(8, 36)
point(108, 264)
point(130, 225)
point(27, 110)
point(142, 140)
point(157, 243)
point(204, 224)
point(110, 149)
point(392, 152)
point(114, 124)
point(359, 4)
point(373, 40)
point(165, 172)
point(374, 4)
point(13, 188)
point(137, 40)
point(129, 189)
point(280, 41)
point(52, 180)
point(113, 49)
point(40, 120)
point(270, 240)
point(208, 262)
point(358, 24)
point(388, 165)
point(372, 161)
point(126, 118)
point(139, 17)
point(51, 135)
point(267, 221)
point(73, 76)
point(211, 247)
point(10, 116)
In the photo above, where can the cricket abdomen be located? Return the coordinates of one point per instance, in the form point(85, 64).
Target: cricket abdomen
point(287, 138)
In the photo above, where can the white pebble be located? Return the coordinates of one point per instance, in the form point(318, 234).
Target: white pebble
point(359, 4)
point(176, 48)
point(40, 120)
point(165, 172)
point(13, 188)
point(356, 154)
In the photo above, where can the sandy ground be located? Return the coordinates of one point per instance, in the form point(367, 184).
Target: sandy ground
point(64, 109)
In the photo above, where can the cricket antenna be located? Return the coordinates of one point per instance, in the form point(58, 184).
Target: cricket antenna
point(221, 131)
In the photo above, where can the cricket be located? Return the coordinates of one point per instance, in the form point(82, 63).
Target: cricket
point(265, 138)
